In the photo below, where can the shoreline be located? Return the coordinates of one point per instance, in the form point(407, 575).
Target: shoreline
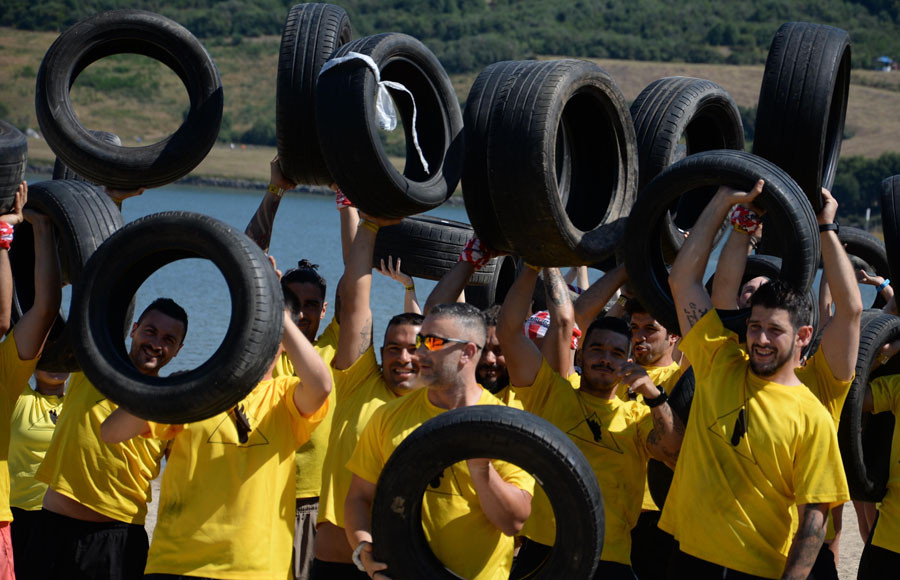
point(224, 182)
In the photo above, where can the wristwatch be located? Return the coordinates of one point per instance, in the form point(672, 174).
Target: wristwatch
point(658, 400)
point(832, 227)
point(356, 556)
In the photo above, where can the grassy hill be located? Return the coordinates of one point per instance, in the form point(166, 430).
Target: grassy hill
point(137, 98)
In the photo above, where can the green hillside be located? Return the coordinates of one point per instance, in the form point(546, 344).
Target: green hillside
point(469, 34)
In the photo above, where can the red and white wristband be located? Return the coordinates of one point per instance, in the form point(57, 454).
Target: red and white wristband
point(745, 220)
point(6, 235)
point(476, 253)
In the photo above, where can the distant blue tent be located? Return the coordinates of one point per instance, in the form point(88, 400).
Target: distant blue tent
point(884, 59)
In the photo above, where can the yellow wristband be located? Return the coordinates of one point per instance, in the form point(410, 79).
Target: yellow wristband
point(275, 190)
point(372, 226)
point(533, 267)
point(411, 288)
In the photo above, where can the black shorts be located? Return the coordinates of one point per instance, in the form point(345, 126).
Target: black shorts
point(322, 570)
point(876, 560)
point(84, 550)
point(21, 527)
point(684, 565)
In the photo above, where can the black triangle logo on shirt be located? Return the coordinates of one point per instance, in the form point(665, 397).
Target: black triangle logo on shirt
point(226, 433)
point(592, 431)
point(731, 430)
point(42, 425)
point(439, 482)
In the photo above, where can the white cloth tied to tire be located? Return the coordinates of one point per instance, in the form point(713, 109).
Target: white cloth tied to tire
point(385, 113)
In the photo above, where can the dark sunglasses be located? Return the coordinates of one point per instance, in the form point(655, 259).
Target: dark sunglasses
point(434, 343)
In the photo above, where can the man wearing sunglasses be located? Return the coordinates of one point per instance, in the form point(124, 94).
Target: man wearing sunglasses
point(475, 507)
point(361, 387)
point(617, 437)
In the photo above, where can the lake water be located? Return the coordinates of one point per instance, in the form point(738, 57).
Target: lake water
point(306, 226)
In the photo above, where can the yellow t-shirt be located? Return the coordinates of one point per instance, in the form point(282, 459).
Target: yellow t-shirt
point(32, 425)
point(459, 533)
point(508, 397)
point(226, 508)
point(817, 376)
point(731, 498)
point(14, 375)
point(308, 462)
point(358, 392)
point(612, 434)
point(886, 396)
point(111, 479)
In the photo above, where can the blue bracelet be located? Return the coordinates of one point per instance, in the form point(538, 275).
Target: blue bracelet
point(883, 285)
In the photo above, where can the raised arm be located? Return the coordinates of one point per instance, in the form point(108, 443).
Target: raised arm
point(882, 286)
point(686, 277)
point(315, 378)
point(356, 314)
point(840, 339)
point(730, 270)
point(807, 541)
point(523, 359)
point(8, 222)
point(505, 505)
point(349, 221)
point(591, 303)
point(260, 227)
point(557, 345)
point(33, 327)
point(451, 286)
point(410, 303)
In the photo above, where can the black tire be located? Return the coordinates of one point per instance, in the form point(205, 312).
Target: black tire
point(659, 476)
point(490, 90)
point(62, 171)
point(865, 439)
point(13, 157)
point(494, 292)
point(890, 222)
point(696, 110)
point(803, 104)
point(787, 210)
point(563, 163)
point(428, 247)
point(311, 34)
point(113, 275)
point(138, 32)
point(349, 137)
point(868, 253)
point(83, 218)
point(497, 432)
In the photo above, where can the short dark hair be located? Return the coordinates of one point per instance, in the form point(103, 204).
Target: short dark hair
point(612, 324)
point(170, 308)
point(464, 313)
point(306, 273)
point(291, 302)
point(405, 319)
point(779, 294)
point(491, 315)
point(634, 306)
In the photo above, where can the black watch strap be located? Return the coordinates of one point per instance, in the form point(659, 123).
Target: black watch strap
point(832, 227)
point(657, 401)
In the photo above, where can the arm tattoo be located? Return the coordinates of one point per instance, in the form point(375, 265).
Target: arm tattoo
point(654, 439)
point(694, 313)
point(807, 543)
point(365, 338)
point(260, 227)
point(555, 286)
